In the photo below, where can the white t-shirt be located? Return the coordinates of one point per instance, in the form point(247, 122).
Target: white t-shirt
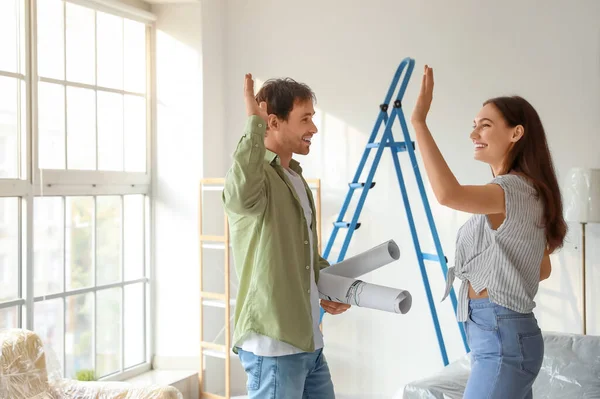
point(261, 345)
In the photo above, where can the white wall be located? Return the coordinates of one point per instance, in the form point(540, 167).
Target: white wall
point(190, 143)
point(179, 149)
point(347, 51)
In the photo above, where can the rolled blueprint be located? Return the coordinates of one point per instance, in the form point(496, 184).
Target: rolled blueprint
point(366, 295)
point(366, 262)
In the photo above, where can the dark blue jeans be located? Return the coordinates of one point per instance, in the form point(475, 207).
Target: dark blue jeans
point(507, 350)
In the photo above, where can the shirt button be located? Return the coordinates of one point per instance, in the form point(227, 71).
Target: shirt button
point(260, 125)
point(309, 291)
point(256, 145)
point(306, 242)
point(307, 267)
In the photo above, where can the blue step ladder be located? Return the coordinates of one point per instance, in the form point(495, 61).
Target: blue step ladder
point(387, 141)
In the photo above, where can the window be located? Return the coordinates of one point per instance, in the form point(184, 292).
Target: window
point(9, 262)
point(92, 90)
point(85, 185)
point(12, 86)
point(9, 250)
point(13, 141)
point(94, 246)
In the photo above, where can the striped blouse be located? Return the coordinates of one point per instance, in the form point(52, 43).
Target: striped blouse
point(506, 261)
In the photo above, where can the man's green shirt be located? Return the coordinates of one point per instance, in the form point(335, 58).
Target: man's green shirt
point(270, 243)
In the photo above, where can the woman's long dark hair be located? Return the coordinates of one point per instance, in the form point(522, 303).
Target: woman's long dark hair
point(531, 157)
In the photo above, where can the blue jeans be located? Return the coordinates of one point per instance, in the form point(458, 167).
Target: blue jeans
point(507, 350)
point(301, 376)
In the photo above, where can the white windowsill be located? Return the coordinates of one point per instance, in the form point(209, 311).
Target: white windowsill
point(162, 377)
point(171, 377)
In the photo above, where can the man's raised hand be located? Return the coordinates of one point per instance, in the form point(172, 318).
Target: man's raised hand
point(252, 107)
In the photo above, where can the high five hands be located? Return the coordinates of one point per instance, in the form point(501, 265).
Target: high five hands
point(423, 104)
point(252, 107)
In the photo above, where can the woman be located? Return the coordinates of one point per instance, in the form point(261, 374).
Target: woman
point(502, 252)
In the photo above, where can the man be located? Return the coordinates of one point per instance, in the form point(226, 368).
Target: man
point(272, 223)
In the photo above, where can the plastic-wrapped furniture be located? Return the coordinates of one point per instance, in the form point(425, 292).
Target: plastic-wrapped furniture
point(571, 369)
point(25, 374)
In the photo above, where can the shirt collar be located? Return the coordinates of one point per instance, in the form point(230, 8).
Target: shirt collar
point(272, 157)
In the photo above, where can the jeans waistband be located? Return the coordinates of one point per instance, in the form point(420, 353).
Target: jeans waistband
point(481, 303)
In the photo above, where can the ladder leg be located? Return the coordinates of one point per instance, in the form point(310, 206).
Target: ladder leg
point(361, 201)
point(419, 253)
point(432, 226)
point(382, 118)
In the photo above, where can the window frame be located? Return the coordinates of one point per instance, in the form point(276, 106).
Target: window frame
point(32, 182)
point(94, 180)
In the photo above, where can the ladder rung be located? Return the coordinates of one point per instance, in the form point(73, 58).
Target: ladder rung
point(212, 295)
point(213, 346)
point(213, 246)
point(360, 185)
point(346, 225)
point(399, 145)
point(209, 395)
point(215, 354)
point(219, 245)
point(218, 303)
point(212, 188)
point(213, 238)
point(433, 257)
point(218, 180)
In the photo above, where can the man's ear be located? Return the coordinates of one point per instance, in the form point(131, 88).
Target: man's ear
point(273, 122)
point(518, 133)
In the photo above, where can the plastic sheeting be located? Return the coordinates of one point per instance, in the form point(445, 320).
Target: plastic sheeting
point(27, 371)
point(571, 369)
point(114, 390)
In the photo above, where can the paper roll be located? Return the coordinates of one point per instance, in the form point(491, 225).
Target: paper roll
point(362, 294)
point(366, 262)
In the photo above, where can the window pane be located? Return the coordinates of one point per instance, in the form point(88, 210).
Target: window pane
point(9, 249)
point(9, 120)
point(51, 42)
point(110, 50)
point(108, 242)
point(134, 236)
point(51, 126)
point(78, 334)
point(81, 61)
point(49, 238)
point(22, 37)
point(108, 337)
point(135, 56)
point(81, 128)
point(134, 325)
point(9, 317)
point(23, 143)
point(110, 131)
point(135, 134)
point(8, 33)
point(49, 324)
point(79, 241)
